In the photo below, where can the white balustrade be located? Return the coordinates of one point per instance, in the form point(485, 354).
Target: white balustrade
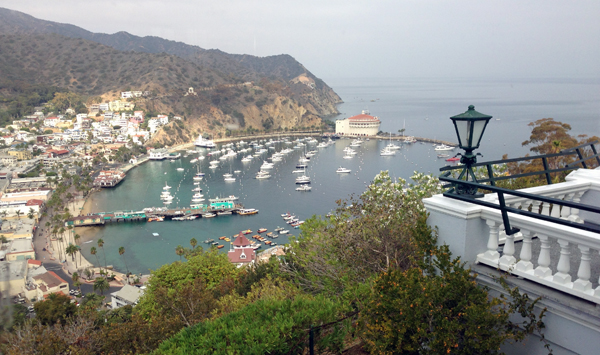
point(553, 273)
point(536, 235)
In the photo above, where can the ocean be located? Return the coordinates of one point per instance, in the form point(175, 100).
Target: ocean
point(421, 106)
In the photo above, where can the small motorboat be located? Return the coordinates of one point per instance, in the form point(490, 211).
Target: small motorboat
point(453, 159)
point(343, 170)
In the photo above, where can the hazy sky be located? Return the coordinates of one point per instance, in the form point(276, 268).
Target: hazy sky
point(352, 38)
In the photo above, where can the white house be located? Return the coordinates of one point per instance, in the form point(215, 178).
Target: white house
point(51, 121)
point(163, 119)
point(128, 295)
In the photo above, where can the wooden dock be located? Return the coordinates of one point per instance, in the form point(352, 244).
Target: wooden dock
point(102, 218)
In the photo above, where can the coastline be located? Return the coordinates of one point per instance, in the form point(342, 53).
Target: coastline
point(83, 206)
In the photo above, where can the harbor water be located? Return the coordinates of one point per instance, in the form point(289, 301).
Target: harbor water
point(422, 107)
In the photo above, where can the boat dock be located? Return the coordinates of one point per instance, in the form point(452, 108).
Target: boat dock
point(150, 214)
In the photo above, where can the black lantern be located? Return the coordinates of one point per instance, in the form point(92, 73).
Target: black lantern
point(469, 128)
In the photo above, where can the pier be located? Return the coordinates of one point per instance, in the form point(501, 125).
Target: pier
point(102, 218)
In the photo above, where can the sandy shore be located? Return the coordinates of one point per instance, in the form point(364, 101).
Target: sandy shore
point(79, 207)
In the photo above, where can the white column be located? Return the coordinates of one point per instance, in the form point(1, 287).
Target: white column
point(492, 247)
point(566, 211)
point(583, 274)
point(535, 206)
point(508, 258)
point(543, 270)
point(574, 217)
point(525, 264)
point(556, 208)
point(564, 263)
point(545, 209)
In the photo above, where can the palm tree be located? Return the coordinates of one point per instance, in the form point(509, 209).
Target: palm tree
point(31, 213)
point(76, 239)
point(121, 252)
point(101, 284)
point(94, 252)
point(193, 243)
point(72, 250)
point(18, 213)
point(76, 281)
point(179, 251)
point(101, 245)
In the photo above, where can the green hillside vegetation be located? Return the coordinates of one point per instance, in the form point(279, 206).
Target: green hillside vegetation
point(401, 294)
point(90, 68)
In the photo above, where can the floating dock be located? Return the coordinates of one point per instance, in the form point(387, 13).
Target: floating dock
point(102, 218)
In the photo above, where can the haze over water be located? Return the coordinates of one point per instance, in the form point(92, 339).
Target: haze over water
point(422, 106)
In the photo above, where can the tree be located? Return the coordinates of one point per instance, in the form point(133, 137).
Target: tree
point(193, 243)
point(18, 213)
point(31, 213)
point(547, 137)
point(211, 267)
point(366, 236)
point(179, 251)
point(72, 250)
point(95, 253)
point(76, 282)
point(122, 252)
point(101, 284)
point(56, 307)
point(101, 245)
point(76, 238)
point(266, 327)
point(437, 307)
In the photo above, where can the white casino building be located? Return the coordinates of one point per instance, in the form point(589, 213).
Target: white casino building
point(359, 125)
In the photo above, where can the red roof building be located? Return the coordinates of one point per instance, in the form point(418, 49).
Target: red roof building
point(359, 125)
point(242, 253)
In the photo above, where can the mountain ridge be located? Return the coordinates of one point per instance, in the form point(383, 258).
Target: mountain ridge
point(282, 94)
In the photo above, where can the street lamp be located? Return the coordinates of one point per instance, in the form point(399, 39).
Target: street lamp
point(469, 128)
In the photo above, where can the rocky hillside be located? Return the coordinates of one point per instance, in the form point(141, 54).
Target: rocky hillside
point(284, 70)
point(232, 92)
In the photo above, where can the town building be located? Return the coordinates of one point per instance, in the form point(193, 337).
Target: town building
point(21, 154)
point(242, 253)
point(363, 125)
point(49, 282)
point(127, 296)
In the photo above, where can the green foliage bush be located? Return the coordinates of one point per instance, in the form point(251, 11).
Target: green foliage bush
point(264, 327)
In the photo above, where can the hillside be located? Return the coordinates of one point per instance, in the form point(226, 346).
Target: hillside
point(233, 92)
point(281, 68)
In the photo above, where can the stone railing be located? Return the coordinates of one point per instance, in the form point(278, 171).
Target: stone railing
point(555, 255)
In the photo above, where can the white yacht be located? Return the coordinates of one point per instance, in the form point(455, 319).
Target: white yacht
point(229, 179)
point(303, 179)
point(304, 188)
point(204, 143)
point(262, 175)
point(266, 165)
point(343, 170)
point(387, 152)
point(442, 147)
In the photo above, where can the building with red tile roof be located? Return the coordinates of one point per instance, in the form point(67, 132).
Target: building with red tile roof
point(359, 125)
point(242, 253)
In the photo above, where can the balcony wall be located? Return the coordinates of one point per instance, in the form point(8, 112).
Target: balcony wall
point(562, 260)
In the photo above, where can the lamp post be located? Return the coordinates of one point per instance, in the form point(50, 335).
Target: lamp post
point(469, 127)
